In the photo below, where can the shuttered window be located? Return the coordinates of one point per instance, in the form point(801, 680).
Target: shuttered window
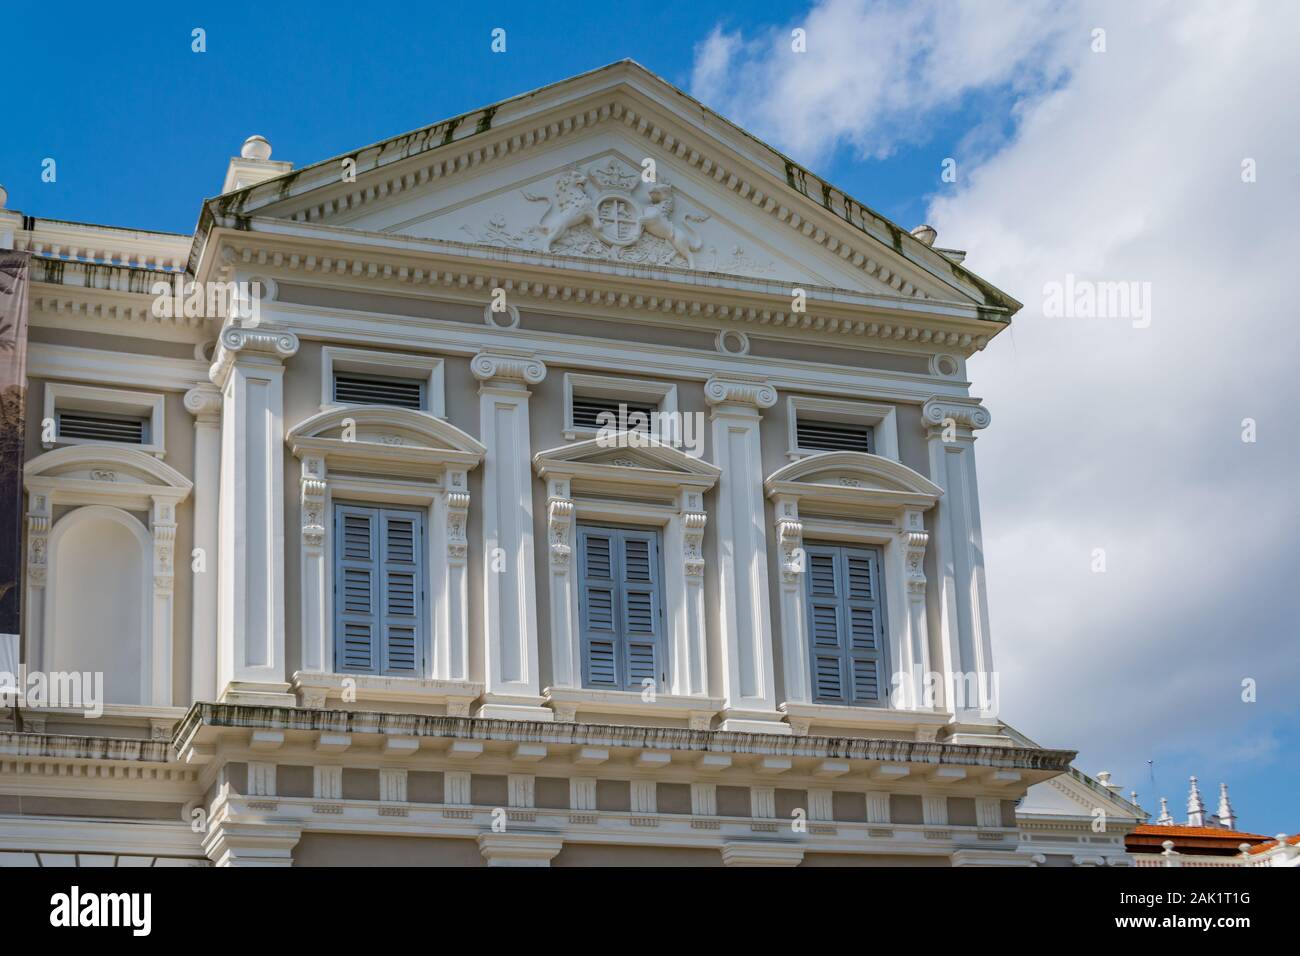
point(378, 591)
point(620, 608)
point(833, 436)
point(846, 632)
point(352, 388)
point(96, 426)
point(587, 412)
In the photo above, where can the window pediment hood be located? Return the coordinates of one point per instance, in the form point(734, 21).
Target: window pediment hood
point(384, 433)
point(854, 477)
point(613, 459)
point(102, 466)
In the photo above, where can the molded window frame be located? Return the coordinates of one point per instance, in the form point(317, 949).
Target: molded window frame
point(662, 394)
point(882, 419)
point(65, 396)
point(428, 369)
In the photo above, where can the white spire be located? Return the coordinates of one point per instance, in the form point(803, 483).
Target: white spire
point(1227, 818)
point(1164, 820)
point(1195, 807)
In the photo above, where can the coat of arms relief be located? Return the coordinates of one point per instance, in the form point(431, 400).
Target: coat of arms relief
point(611, 212)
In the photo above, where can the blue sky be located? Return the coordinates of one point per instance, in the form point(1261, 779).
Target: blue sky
point(1072, 162)
point(118, 96)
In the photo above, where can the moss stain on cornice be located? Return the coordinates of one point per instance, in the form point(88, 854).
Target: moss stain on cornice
point(485, 120)
point(449, 130)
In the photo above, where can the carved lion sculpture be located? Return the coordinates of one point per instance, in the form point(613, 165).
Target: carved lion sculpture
point(570, 207)
point(657, 221)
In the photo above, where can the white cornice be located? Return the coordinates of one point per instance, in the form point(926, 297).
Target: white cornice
point(327, 256)
point(642, 103)
point(45, 360)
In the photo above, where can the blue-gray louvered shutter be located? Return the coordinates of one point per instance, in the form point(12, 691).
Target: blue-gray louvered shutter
point(865, 633)
point(356, 589)
point(597, 550)
point(620, 612)
point(641, 614)
point(402, 586)
point(379, 590)
point(845, 625)
point(824, 632)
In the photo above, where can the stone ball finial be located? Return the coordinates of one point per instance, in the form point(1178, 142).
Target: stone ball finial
point(926, 234)
point(4, 196)
point(255, 147)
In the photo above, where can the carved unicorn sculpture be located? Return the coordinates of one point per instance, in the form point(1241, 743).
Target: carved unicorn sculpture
point(657, 221)
point(570, 207)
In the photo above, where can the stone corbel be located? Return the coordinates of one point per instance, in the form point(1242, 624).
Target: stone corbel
point(313, 503)
point(789, 537)
point(914, 538)
point(694, 520)
point(559, 525)
point(457, 499)
point(163, 523)
point(560, 514)
point(38, 532)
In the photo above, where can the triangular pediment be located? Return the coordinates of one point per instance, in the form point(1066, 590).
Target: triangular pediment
point(617, 166)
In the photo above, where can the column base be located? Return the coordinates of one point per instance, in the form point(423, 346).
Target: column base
point(257, 694)
point(512, 707)
point(251, 844)
point(519, 849)
point(754, 722)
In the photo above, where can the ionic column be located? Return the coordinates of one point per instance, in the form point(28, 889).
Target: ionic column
point(204, 403)
point(512, 684)
point(743, 607)
point(249, 370)
point(963, 623)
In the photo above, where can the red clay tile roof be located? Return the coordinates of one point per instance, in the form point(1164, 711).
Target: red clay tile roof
point(1265, 847)
point(1156, 829)
point(1148, 838)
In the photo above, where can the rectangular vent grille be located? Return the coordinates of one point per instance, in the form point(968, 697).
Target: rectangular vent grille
point(369, 390)
point(587, 412)
point(833, 436)
point(95, 427)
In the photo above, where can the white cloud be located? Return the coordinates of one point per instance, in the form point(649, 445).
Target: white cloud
point(1123, 165)
point(872, 70)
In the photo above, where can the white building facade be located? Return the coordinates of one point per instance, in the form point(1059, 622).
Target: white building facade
point(370, 578)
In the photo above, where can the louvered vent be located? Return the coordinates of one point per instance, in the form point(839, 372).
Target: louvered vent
point(587, 412)
point(352, 389)
point(832, 436)
point(90, 426)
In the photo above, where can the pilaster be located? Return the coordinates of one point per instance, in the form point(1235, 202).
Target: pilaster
point(744, 621)
point(203, 401)
point(963, 620)
point(512, 682)
point(249, 370)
